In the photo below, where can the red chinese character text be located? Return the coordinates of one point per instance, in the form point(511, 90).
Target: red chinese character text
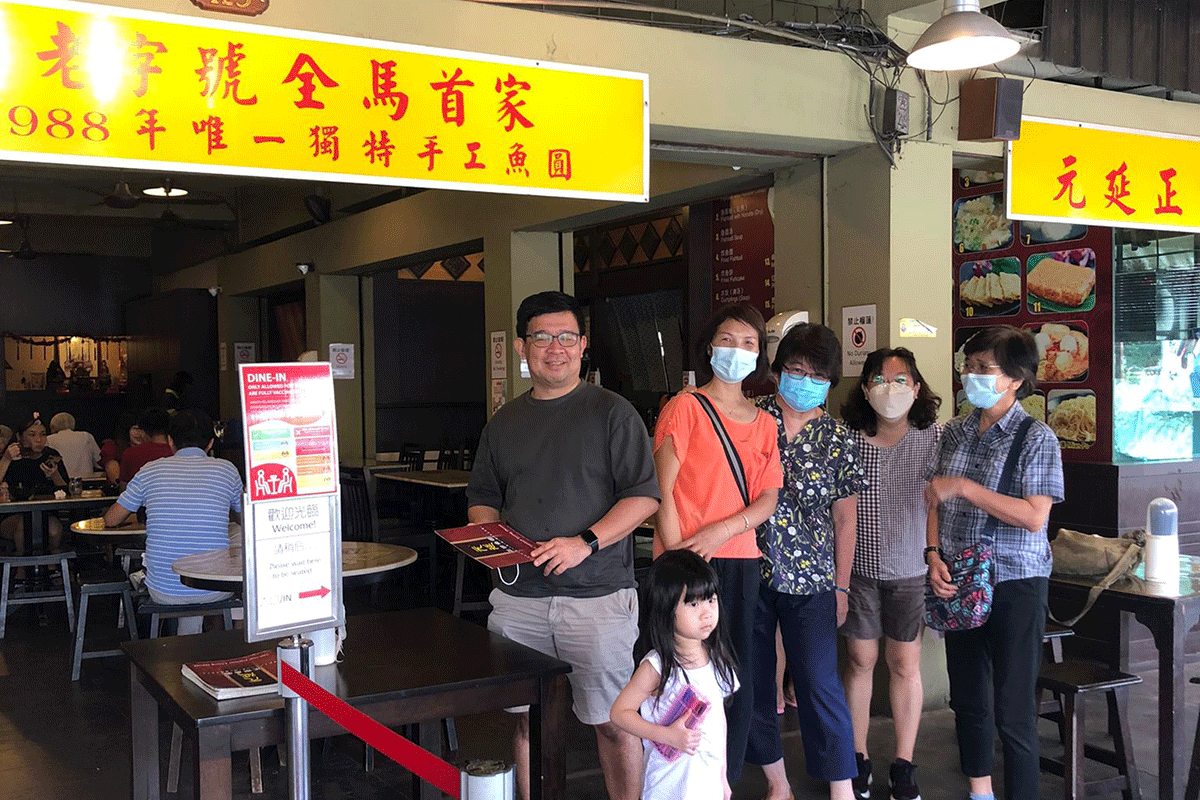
point(560, 164)
point(453, 109)
point(308, 80)
point(226, 68)
point(431, 150)
point(1118, 187)
point(66, 50)
point(144, 51)
point(383, 89)
point(474, 163)
point(324, 141)
point(1165, 206)
point(509, 111)
point(1067, 179)
point(150, 127)
point(379, 148)
point(214, 127)
point(516, 160)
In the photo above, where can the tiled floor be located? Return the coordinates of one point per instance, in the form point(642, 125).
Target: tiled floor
point(64, 740)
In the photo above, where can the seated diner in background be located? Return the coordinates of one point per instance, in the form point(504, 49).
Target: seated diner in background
point(188, 497)
point(31, 468)
point(126, 434)
point(154, 423)
point(79, 451)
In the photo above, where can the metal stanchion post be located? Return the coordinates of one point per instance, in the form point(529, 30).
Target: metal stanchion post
point(297, 652)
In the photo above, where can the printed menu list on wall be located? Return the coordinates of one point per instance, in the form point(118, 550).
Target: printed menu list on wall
point(744, 251)
point(1055, 280)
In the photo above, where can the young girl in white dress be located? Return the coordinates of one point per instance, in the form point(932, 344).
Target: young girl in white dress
point(688, 665)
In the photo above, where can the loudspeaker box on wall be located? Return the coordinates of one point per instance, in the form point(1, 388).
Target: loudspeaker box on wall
point(989, 110)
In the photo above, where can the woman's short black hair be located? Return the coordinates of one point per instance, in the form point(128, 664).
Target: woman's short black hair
point(747, 315)
point(546, 303)
point(857, 412)
point(34, 419)
point(1015, 352)
point(814, 343)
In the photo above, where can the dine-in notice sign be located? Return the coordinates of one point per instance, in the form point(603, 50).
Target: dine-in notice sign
point(86, 84)
point(292, 553)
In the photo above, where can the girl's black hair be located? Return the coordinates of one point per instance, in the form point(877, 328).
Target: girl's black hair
point(857, 412)
point(676, 575)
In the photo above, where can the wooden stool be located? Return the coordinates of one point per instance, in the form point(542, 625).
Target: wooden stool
point(161, 611)
point(109, 583)
point(1192, 792)
point(36, 596)
point(1070, 679)
point(1052, 709)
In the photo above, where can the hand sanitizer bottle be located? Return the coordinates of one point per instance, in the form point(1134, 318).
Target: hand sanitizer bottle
point(1162, 541)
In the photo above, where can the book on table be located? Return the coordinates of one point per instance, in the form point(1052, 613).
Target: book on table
point(235, 677)
point(492, 544)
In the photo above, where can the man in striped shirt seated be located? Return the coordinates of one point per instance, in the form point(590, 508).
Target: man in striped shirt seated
point(188, 497)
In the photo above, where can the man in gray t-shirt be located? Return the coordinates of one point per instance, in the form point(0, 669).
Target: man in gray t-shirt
point(569, 465)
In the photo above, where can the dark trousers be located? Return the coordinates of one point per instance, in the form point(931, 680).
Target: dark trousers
point(808, 624)
point(993, 683)
point(737, 579)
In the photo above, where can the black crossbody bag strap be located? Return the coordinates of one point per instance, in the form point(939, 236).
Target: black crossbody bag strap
point(731, 454)
point(1006, 477)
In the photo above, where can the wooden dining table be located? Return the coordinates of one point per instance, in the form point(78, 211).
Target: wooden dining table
point(37, 507)
point(221, 570)
point(1170, 611)
point(96, 527)
point(451, 479)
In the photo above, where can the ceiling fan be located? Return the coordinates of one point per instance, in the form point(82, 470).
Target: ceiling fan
point(24, 251)
point(123, 197)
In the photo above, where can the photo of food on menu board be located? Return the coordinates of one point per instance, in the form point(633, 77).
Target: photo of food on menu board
point(1039, 232)
point(1072, 416)
point(990, 288)
point(1064, 280)
point(980, 224)
point(1062, 351)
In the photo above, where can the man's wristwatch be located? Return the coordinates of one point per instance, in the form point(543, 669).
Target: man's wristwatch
point(590, 539)
point(932, 549)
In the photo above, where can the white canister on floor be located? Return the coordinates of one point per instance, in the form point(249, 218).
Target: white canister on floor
point(488, 780)
point(1162, 541)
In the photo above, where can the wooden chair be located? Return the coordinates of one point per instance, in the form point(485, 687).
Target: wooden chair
point(1070, 680)
point(1051, 708)
point(1192, 792)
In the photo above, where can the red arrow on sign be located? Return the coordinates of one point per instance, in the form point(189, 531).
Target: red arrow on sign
point(322, 592)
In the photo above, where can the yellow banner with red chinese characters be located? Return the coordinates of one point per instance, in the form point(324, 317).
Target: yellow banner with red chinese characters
point(93, 85)
point(1073, 172)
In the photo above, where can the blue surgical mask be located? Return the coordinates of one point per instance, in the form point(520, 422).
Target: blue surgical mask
point(732, 364)
point(802, 394)
point(981, 390)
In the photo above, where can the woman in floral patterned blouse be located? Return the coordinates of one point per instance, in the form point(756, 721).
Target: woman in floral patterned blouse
point(807, 548)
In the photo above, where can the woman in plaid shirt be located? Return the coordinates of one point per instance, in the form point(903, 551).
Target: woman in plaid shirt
point(993, 668)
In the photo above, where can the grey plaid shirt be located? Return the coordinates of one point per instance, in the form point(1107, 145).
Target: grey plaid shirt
point(964, 453)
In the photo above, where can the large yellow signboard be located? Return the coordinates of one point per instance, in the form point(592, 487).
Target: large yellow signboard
point(87, 84)
point(1073, 172)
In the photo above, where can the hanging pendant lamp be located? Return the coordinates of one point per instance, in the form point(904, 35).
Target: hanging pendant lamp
point(963, 38)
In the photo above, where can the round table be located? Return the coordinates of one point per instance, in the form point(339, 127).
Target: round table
point(221, 570)
point(96, 527)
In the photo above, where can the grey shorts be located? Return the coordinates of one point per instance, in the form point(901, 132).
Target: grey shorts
point(895, 609)
point(595, 635)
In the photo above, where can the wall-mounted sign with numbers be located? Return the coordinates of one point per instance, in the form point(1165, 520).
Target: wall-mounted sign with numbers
point(120, 88)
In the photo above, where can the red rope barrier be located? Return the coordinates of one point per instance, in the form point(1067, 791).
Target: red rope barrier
point(415, 759)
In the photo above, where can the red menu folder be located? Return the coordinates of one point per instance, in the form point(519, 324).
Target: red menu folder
point(492, 544)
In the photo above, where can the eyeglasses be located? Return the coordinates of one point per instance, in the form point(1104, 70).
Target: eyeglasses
point(543, 339)
point(901, 380)
point(979, 368)
point(803, 373)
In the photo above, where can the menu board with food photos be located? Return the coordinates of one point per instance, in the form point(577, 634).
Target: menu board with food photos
point(1055, 280)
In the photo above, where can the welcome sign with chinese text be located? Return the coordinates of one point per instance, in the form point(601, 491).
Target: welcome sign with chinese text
point(84, 84)
point(1072, 172)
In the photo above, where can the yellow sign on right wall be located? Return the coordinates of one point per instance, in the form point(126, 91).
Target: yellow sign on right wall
point(1074, 172)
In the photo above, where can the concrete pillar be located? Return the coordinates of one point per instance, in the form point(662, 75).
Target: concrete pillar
point(889, 243)
point(333, 314)
point(796, 200)
point(237, 321)
point(518, 264)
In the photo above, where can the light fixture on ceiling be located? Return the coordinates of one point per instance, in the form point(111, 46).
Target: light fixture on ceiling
point(963, 38)
point(166, 190)
point(6, 222)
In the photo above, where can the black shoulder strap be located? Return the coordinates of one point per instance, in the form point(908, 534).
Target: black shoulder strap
point(731, 454)
point(1006, 477)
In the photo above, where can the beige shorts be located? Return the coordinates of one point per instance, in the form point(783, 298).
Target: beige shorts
point(595, 635)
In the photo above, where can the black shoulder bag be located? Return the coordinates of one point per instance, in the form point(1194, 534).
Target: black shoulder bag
point(731, 454)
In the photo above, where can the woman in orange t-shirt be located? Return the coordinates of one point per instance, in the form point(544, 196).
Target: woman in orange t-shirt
point(702, 507)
